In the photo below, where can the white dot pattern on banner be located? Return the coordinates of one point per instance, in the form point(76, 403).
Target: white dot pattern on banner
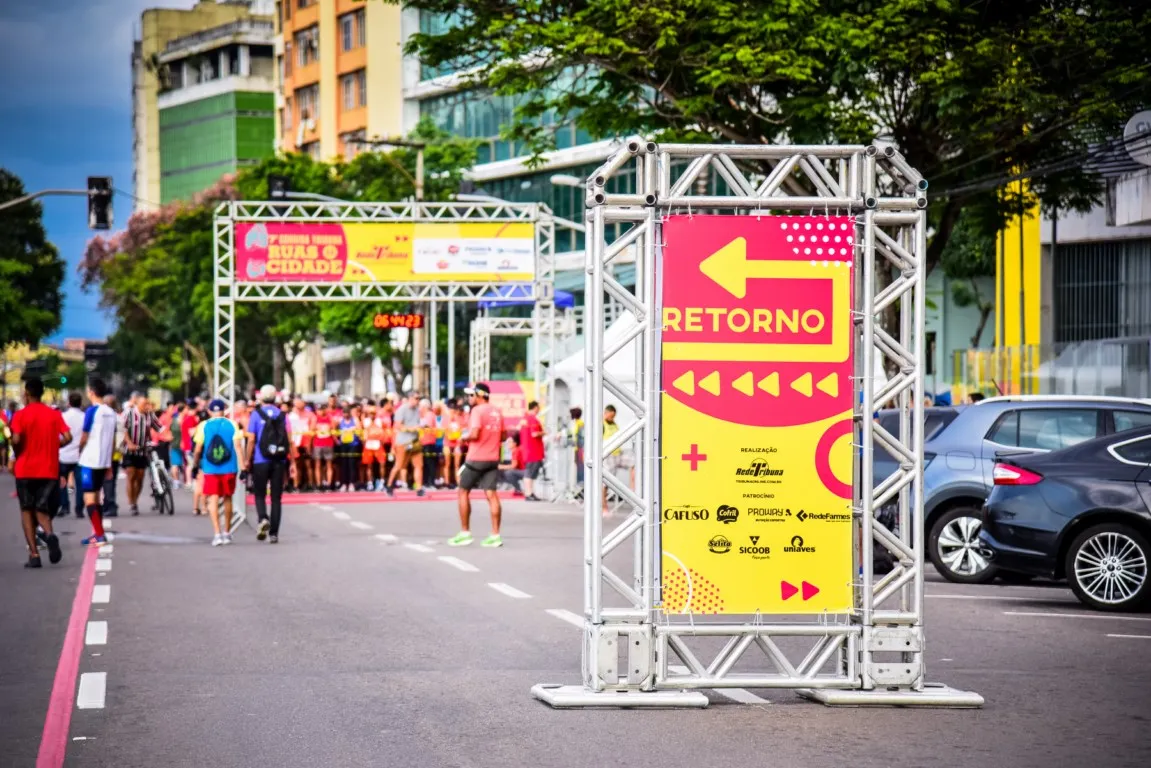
point(806, 251)
point(819, 225)
point(783, 225)
point(790, 238)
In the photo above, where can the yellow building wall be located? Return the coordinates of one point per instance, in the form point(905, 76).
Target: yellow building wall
point(385, 71)
point(158, 27)
point(329, 87)
point(1018, 303)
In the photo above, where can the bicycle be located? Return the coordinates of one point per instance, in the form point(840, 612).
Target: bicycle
point(161, 484)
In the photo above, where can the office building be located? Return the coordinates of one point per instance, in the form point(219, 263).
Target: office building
point(158, 28)
point(338, 65)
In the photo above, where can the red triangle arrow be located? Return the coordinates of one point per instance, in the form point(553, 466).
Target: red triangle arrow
point(788, 590)
point(809, 591)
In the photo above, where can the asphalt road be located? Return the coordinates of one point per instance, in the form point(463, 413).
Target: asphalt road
point(354, 643)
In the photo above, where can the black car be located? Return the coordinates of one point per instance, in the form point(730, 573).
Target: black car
point(1082, 513)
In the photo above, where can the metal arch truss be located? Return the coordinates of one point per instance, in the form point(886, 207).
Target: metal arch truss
point(555, 327)
point(634, 654)
point(228, 290)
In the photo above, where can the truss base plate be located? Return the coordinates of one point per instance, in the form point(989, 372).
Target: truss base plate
point(575, 696)
point(932, 695)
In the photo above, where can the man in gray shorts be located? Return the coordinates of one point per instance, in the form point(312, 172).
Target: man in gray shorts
point(484, 436)
point(406, 444)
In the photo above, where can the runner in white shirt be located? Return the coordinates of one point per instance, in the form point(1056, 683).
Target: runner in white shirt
point(300, 425)
point(99, 433)
point(70, 456)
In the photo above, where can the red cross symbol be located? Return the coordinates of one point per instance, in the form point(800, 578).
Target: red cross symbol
point(695, 457)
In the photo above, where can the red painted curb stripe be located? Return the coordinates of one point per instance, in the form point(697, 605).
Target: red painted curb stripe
point(54, 740)
point(363, 497)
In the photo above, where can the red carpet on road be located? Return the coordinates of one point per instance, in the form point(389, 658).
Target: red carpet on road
point(373, 497)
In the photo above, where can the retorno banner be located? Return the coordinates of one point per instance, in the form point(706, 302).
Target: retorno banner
point(756, 414)
point(384, 252)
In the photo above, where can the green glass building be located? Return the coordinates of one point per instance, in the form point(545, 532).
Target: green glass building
point(217, 106)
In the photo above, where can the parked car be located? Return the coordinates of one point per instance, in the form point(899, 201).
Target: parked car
point(1083, 513)
point(962, 445)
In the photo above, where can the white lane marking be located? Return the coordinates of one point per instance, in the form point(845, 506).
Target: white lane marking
point(102, 593)
point(1132, 637)
point(455, 562)
point(92, 689)
point(1078, 616)
point(995, 597)
point(387, 538)
point(103, 564)
point(738, 695)
point(326, 507)
point(419, 548)
point(565, 615)
point(508, 590)
point(362, 526)
point(96, 633)
point(105, 550)
point(341, 515)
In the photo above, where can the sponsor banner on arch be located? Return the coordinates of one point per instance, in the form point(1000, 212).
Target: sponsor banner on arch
point(384, 252)
point(756, 414)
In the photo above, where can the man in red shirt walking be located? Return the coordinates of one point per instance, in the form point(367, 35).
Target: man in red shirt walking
point(532, 444)
point(38, 433)
point(484, 436)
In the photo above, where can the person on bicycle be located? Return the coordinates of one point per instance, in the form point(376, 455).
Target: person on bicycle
point(139, 423)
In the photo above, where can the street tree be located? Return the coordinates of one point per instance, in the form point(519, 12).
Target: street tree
point(973, 92)
point(31, 270)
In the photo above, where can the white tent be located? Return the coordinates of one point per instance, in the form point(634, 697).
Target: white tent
point(571, 372)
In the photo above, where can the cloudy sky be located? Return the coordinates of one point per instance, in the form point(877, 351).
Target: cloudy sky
point(66, 114)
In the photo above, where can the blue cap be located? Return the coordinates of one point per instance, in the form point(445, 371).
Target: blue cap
point(217, 405)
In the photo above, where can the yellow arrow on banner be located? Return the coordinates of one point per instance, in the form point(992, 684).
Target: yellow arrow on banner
point(710, 383)
point(802, 385)
point(744, 384)
point(829, 385)
point(770, 384)
point(686, 383)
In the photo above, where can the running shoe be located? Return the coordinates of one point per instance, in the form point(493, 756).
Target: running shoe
point(54, 553)
point(34, 562)
point(273, 539)
point(262, 530)
point(420, 492)
point(461, 539)
point(495, 540)
point(217, 540)
point(94, 541)
point(227, 537)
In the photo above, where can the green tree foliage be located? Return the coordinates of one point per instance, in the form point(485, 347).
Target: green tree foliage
point(31, 270)
point(157, 276)
point(969, 258)
point(972, 91)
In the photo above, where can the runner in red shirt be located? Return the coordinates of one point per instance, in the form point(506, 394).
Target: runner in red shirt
point(532, 445)
point(481, 470)
point(38, 434)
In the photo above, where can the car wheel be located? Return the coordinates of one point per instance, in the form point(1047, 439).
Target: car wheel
point(954, 547)
point(1107, 568)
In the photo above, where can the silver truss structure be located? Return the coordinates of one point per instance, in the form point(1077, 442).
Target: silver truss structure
point(229, 290)
point(635, 654)
point(562, 325)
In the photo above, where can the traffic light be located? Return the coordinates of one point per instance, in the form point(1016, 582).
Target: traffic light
point(278, 187)
point(99, 202)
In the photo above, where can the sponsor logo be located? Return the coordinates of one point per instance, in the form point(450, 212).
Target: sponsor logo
point(758, 471)
point(453, 249)
point(720, 545)
point(686, 513)
point(768, 514)
point(823, 517)
point(726, 514)
point(797, 545)
point(756, 551)
point(769, 449)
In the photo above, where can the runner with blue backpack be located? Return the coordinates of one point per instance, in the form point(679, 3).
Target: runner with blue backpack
point(218, 449)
